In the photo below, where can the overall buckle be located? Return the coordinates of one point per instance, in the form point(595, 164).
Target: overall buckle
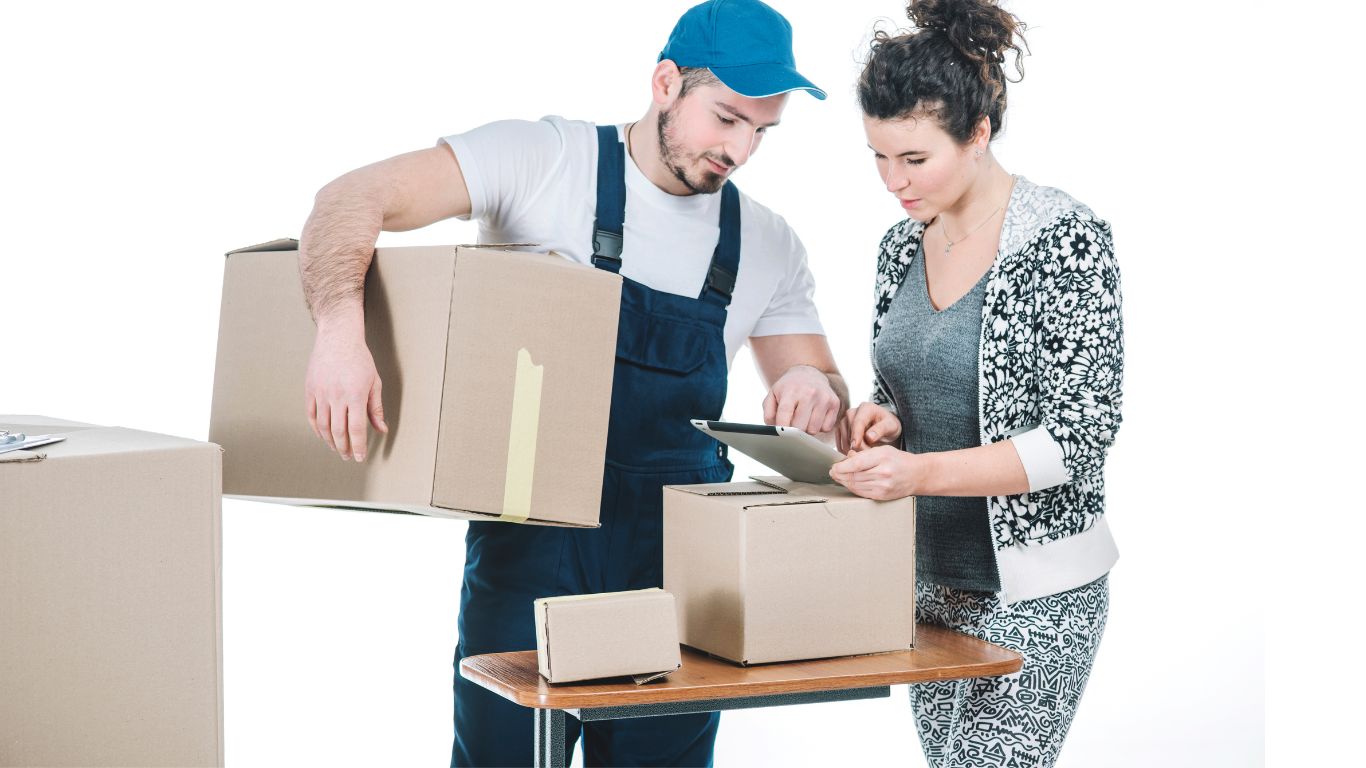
point(606, 248)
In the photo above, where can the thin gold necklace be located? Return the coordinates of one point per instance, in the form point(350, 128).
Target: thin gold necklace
point(949, 244)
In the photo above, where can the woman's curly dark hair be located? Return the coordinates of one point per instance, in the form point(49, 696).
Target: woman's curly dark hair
point(951, 66)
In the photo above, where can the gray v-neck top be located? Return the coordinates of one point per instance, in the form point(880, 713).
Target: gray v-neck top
point(929, 360)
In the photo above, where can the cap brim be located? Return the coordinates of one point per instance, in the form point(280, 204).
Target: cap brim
point(757, 81)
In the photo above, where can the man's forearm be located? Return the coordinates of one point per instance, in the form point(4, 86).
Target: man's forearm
point(336, 247)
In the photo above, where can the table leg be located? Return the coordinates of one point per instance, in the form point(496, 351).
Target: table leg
point(550, 739)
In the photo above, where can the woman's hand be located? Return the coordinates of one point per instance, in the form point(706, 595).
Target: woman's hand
point(865, 426)
point(882, 473)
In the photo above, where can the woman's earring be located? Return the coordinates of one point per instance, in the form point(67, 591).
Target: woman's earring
point(979, 153)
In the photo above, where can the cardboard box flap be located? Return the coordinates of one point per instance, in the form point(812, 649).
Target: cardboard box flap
point(795, 493)
point(280, 244)
point(624, 596)
point(830, 490)
point(788, 502)
point(95, 440)
point(537, 258)
point(32, 426)
point(643, 679)
point(731, 489)
point(497, 246)
point(21, 457)
point(292, 244)
point(37, 425)
point(110, 440)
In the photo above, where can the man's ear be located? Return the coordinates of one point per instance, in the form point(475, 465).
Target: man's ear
point(665, 84)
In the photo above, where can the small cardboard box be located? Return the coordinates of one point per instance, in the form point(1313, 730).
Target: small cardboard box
point(612, 634)
point(110, 592)
point(776, 570)
point(497, 384)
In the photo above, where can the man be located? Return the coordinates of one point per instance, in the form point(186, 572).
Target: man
point(704, 269)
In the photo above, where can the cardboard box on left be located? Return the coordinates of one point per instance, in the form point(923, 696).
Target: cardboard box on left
point(110, 598)
point(496, 365)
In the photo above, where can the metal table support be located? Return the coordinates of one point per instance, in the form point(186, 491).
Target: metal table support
point(550, 723)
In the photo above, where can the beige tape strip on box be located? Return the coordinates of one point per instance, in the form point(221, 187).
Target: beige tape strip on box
point(526, 419)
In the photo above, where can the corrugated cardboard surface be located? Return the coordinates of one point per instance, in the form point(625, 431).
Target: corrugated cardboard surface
point(565, 316)
point(587, 637)
point(43, 425)
point(704, 570)
point(265, 337)
point(110, 594)
point(446, 452)
point(809, 572)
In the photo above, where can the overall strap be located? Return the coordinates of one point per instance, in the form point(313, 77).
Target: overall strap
point(725, 260)
point(611, 205)
point(610, 214)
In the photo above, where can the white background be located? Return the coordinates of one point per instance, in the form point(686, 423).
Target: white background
point(141, 141)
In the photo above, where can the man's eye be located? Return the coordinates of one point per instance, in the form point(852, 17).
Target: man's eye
point(914, 161)
point(725, 120)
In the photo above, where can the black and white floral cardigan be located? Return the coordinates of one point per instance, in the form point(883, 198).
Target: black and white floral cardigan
point(1050, 365)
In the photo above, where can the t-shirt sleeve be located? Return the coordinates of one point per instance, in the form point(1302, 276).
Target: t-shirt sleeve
point(793, 307)
point(506, 164)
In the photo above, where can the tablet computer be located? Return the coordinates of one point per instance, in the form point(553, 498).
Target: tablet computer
point(787, 450)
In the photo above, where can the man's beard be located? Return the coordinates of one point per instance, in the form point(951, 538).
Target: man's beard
point(674, 157)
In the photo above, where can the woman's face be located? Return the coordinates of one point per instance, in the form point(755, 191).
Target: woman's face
point(921, 164)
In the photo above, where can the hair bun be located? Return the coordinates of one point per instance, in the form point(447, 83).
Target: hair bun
point(980, 29)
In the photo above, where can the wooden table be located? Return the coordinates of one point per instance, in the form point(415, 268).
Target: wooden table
point(705, 684)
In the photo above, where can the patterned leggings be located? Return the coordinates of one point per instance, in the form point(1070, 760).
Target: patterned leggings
point(1017, 720)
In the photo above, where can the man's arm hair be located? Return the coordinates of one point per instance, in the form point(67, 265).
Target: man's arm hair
point(402, 193)
point(776, 355)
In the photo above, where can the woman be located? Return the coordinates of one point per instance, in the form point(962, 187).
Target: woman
point(997, 346)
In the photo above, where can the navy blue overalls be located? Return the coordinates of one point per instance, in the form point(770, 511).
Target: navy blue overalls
point(670, 368)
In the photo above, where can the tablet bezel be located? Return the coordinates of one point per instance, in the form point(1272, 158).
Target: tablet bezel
point(781, 449)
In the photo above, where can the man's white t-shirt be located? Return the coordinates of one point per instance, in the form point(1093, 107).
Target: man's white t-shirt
point(536, 182)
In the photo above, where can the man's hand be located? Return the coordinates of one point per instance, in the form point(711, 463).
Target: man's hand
point(866, 426)
point(342, 391)
point(882, 473)
point(803, 398)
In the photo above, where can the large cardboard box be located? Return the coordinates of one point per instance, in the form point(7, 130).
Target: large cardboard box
point(777, 570)
point(609, 634)
point(497, 384)
point(110, 618)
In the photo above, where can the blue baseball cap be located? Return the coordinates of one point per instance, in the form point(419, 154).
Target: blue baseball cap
point(746, 44)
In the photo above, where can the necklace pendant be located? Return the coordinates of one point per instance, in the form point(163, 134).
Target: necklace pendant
point(948, 248)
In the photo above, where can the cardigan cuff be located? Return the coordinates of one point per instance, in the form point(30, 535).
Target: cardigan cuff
point(1042, 458)
point(1029, 572)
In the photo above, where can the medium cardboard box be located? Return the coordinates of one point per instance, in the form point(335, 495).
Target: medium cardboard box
point(110, 618)
point(497, 384)
point(611, 634)
point(776, 570)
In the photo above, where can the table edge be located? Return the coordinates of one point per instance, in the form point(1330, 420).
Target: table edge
point(590, 700)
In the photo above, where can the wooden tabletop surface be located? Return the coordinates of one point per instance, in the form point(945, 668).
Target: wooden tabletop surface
point(940, 654)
